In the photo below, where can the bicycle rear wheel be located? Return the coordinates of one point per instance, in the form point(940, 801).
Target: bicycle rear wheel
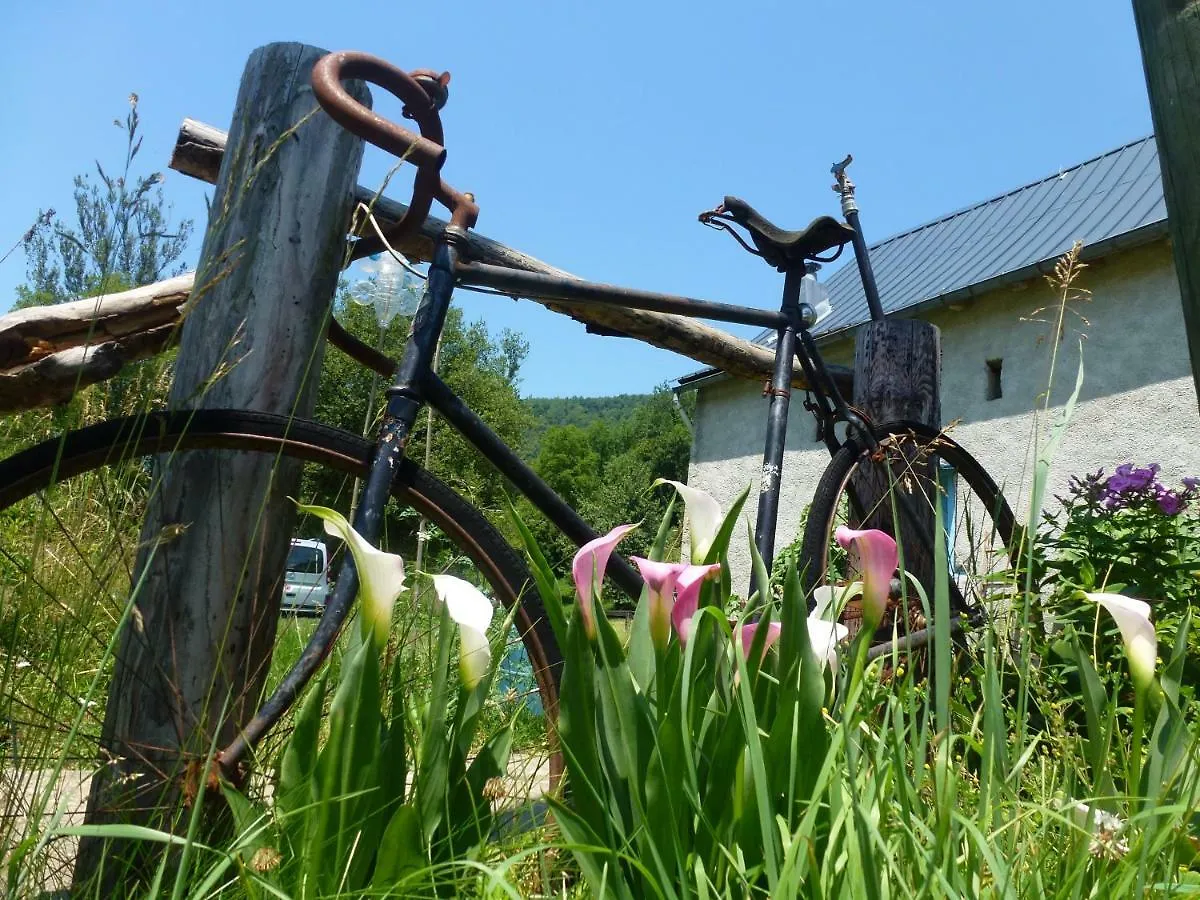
point(922, 467)
point(70, 515)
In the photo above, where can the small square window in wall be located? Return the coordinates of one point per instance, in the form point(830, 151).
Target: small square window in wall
point(995, 390)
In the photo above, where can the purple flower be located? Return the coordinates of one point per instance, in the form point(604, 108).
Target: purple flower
point(1191, 482)
point(1170, 503)
point(1114, 501)
point(1128, 480)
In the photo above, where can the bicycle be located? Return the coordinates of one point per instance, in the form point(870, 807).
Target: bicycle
point(927, 464)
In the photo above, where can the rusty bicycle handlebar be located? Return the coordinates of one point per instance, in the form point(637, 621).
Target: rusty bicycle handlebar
point(425, 150)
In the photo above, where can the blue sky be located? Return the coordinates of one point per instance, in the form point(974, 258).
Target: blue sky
point(592, 134)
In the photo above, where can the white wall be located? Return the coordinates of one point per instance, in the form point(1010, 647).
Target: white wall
point(1138, 402)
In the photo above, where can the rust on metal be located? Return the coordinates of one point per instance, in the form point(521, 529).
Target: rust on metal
point(423, 93)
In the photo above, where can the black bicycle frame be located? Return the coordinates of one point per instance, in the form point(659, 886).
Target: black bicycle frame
point(415, 384)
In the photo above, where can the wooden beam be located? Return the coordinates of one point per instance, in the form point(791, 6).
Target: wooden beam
point(198, 151)
point(47, 353)
point(53, 378)
point(1169, 32)
point(27, 335)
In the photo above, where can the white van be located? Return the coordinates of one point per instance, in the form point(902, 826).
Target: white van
point(306, 581)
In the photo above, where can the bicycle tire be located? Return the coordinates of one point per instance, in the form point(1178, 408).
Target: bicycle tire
point(57, 461)
point(832, 499)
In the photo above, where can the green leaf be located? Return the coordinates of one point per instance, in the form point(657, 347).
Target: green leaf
point(759, 796)
point(433, 766)
point(664, 530)
point(1170, 736)
point(473, 813)
point(347, 768)
point(598, 863)
point(720, 544)
point(543, 576)
point(942, 648)
point(402, 852)
point(393, 752)
point(299, 758)
point(1096, 707)
point(762, 580)
point(296, 802)
point(251, 821)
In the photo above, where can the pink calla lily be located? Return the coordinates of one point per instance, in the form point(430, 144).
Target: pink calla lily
point(749, 631)
point(660, 578)
point(588, 571)
point(877, 561)
point(687, 600)
point(824, 637)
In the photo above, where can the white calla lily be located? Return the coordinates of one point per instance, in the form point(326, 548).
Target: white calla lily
point(380, 574)
point(471, 609)
point(1137, 633)
point(825, 637)
point(833, 597)
point(704, 517)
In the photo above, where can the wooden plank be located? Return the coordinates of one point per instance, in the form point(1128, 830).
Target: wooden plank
point(1169, 32)
point(200, 146)
point(191, 670)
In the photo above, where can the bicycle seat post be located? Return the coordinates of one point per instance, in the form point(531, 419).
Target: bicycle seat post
point(845, 187)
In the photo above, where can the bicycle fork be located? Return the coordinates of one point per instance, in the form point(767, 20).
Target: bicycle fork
point(404, 405)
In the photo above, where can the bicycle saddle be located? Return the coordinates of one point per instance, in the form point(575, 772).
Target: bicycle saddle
point(784, 249)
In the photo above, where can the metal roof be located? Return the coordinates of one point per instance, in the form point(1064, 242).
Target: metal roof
point(1112, 201)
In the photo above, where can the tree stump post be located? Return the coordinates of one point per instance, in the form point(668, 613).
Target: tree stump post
point(195, 653)
point(1169, 32)
point(897, 376)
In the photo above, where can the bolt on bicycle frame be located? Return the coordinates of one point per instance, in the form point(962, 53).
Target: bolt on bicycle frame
point(416, 384)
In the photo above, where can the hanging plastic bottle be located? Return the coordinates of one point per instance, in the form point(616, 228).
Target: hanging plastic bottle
point(387, 287)
point(814, 293)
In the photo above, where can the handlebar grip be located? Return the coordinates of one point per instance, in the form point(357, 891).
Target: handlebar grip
point(424, 150)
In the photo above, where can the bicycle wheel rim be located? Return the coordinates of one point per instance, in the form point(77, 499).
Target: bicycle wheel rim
point(32, 479)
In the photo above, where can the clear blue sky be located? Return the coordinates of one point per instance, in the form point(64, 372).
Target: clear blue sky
point(593, 133)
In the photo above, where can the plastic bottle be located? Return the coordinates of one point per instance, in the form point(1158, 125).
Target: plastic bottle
point(814, 293)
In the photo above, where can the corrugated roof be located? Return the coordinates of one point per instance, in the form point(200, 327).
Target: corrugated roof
point(1111, 201)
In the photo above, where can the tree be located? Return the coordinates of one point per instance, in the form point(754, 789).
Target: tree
point(481, 368)
point(570, 463)
point(122, 236)
point(607, 470)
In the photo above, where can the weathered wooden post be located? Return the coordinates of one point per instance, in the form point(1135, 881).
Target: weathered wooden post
point(193, 660)
point(1169, 31)
point(898, 371)
point(897, 377)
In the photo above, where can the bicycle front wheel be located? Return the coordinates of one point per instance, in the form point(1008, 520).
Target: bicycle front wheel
point(71, 510)
point(894, 489)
